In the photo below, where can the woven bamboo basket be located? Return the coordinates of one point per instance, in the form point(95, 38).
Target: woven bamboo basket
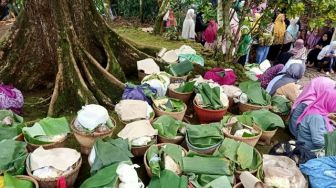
point(148, 170)
point(28, 178)
point(19, 137)
point(252, 141)
point(177, 140)
point(174, 79)
point(177, 95)
point(206, 151)
point(250, 107)
point(267, 136)
point(139, 151)
point(141, 75)
point(238, 185)
point(52, 182)
point(58, 144)
point(86, 140)
point(176, 115)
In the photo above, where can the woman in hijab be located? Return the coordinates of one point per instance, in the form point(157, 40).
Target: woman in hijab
point(315, 121)
point(200, 27)
point(310, 93)
point(313, 39)
point(210, 35)
point(291, 35)
point(327, 58)
point(171, 21)
point(312, 56)
point(299, 52)
point(285, 83)
point(269, 74)
point(188, 30)
point(279, 35)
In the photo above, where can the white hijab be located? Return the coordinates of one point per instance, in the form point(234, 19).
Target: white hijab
point(188, 30)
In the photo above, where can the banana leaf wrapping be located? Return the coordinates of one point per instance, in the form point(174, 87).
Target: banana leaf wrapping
point(203, 136)
point(207, 165)
point(243, 155)
point(13, 182)
point(104, 148)
point(168, 104)
point(167, 126)
point(11, 124)
point(208, 180)
point(46, 127)
point(180, 69)
point(281, 105)
point(153, 159)
point(186, 87)
point(13, 156)
point(210, 96)
point(255, 93)
point(168, 179)
point(266, 120)
point(106, 177)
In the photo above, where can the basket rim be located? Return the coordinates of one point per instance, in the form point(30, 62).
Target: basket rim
point(257, 106)
point(28, 178)
point(148, 145)
point(209, 110)
point(159, 146)
point(260, 131)
point(73, 171)
point(93, 134)
point(173, 113)
point(47, 145)
point(201, 149)
point(176, 92)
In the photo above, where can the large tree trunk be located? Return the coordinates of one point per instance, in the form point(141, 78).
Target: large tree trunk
point(68, 44)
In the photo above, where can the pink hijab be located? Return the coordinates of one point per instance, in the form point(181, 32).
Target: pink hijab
point(313, 90)
point(210, 32)
point(324, 105)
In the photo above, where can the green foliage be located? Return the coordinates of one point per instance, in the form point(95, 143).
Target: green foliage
point(131, 8)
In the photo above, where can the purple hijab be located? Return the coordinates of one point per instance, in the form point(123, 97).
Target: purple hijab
point(269, 74)
point(312, 40)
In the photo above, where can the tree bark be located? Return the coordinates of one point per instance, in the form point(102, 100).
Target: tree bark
point(67, 43)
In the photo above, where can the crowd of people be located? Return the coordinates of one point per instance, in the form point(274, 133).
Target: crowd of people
point(282, 40)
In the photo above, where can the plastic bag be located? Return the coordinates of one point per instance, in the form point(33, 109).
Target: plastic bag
point(142, 92)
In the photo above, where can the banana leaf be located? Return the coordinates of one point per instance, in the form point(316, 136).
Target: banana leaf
point(13, 156)
point(13, 182)
point(169, 104)
point(168, 179)
point(255, 93)
point(104, 148)
point(203, 136)
point(153, 160)
point(330, 146)
point(180, 69)
point(186, 87)
point(14, 128)
point(210, 181)
point(243, 155)
point(174, 151)
point(167, 126)
point(104, 178)
point(46, 127)
point(281, 105)
point(210, 96)
point(207, 165)
point(266, 120)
